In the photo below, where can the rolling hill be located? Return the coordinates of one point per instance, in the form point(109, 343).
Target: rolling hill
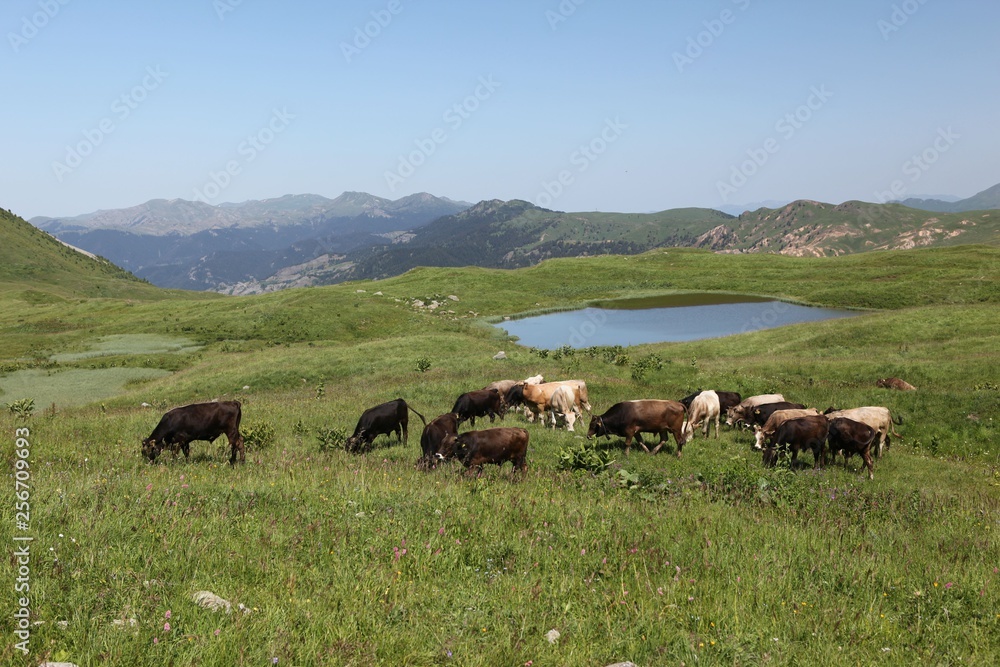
point(987, 199)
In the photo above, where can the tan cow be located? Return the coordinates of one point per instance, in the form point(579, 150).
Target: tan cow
point(739, 413)
point(536, 397)
point(704, 408)
point(777, 418)
point(875, 416)
point(563, 406)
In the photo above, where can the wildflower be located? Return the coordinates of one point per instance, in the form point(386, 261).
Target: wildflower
point(156, 640)
point(274, 660)
point(949, 585)
point(217, 631)
point(166, 627)
point(167, 615)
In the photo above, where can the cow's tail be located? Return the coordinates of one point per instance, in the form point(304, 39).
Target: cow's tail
point(898, 422)
point(410, 408)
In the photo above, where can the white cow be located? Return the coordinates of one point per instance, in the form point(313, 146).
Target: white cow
point(563, 406)
point(739, 412)
point(704, 408)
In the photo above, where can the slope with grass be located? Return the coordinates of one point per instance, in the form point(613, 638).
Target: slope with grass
point(366, 560)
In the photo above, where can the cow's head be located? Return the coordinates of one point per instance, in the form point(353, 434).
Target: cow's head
point(150, 448)
point(514, 395)
point(597, 427)
point(733, 415)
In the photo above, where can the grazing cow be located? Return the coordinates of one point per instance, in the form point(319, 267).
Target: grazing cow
point(777, 418)
point(479, 403)
point(437, 442)
point(895, 383)
point(383, 419)
point(200, 421)
point(563, 406)
point(536, 397)
point(493, 445)
point(800, 433)
point(534, 379)
point(738, 414)
point(727, 399)
point(851, 437)
point(503, 386)
point(704, 408)
point(629, 419)
point(877, 417)
point(758, 416)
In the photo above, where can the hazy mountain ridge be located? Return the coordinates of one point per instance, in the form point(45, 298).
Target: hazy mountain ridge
point(981, 201)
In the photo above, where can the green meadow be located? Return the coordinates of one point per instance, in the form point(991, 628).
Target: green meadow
point(341, 559)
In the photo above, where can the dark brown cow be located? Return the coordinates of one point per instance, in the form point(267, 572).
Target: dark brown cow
point(630, 418)
point(479, 403)
point(727, 399)
point(199, 421)
point(894, 383)
point(493, 445)
point(437, 442)
point(759, 415)
point(797, 434)
point(383, 419)
point(851, 437)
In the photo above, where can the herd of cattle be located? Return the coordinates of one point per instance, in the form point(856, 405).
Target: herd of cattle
point(779, 425)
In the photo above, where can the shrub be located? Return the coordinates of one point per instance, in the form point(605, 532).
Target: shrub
point(258, 435)
point(585, 456)
point(423, 364)
point(22, 408)
point(331, 438)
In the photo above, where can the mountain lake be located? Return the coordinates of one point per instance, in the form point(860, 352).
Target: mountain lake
point(670, 318)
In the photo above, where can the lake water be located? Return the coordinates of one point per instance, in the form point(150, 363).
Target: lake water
point(673, 318)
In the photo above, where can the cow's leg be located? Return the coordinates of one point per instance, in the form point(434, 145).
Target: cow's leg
point(716, 428)
point(236, 448)
point(628, 442)
point(186, 448)
point(679, 437)
point(867, 456)
point(638, 438)
point(570, 420)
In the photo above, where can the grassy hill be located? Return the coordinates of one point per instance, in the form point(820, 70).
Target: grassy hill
point(365, 560)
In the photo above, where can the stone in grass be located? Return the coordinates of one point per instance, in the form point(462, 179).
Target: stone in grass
point(58, 664)
point(500, 355)
point(210, 600)
point(623, 664)
point(552, 635)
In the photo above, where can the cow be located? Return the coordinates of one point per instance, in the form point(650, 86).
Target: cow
point(894, 383)
point(759, 415)
point(534, 379)
point(383, 419)
point(877, 417)
point(536, 397)
point(737, 414)
point(562, 405)
point(727, 399)
point(437, 441)
point(630, 418)
point(503, 386)
point(777, 418)
point(494, 445)
point(199, 421)
point(851, 437)
point(797, 434)
point(479, 403)
point(704, 408)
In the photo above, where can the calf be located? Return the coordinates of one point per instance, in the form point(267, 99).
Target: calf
point(704, 408)
point(199, 421)
point(630, 418)
point(437, 441)
point(737, 414)
point(894, 383)
point(852, 437)
point(800, 433)
point(877, 417)
point(493, 445)
point(479, 403)
point(383, 419)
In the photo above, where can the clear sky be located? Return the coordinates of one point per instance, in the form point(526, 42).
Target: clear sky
point(632, 105)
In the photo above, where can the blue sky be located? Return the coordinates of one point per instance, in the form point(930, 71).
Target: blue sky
point(632, 105)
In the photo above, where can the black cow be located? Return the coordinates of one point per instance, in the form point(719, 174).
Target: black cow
point(493, 445)
point(630, 418)
point(479, 403)
point(759, 415)
point(199, 421)
point(391, 417)
point(851, 437)
point(727, 399)
point(437, 442)
point(801, 433)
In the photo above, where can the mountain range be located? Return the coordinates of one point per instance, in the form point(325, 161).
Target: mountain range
point(301, 240)
point(987, 199)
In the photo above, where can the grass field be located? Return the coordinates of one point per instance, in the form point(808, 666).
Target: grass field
point(365, 560)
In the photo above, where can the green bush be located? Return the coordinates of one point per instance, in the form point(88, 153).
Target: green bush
point(331, 438)
point(585, 456)
point(22, 408)
point(258, 435)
